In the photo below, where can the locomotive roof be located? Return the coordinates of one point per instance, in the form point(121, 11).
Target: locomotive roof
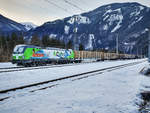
point(30, 46)
point(52, 48)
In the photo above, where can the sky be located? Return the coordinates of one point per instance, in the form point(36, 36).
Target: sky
point(41, 11)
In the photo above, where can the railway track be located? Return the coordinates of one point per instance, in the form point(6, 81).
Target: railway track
point(10, 68)
point(73, 77)
point(14, 69)
point(21, 67)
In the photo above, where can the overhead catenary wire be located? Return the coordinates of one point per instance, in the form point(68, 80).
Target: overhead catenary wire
point(74, 5)
point(76, 46)
point(54, 4)
point(64, 9)
point(80, 2)
point(83, 2)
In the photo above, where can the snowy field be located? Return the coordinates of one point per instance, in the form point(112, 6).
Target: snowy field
point(5, 65)
point(116, 91)
point(20, 78)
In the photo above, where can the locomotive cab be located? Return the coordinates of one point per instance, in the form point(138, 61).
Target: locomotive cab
point(18, 53)
point(25, 54)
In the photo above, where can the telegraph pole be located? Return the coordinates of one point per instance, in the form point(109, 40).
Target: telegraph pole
point(75, 34)
point(137, 51)
point(74, 30)
point(117, 45)
point(130, 49)
point(149, 45)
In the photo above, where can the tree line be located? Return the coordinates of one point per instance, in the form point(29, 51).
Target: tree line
point(47, 41)
point(7, 44)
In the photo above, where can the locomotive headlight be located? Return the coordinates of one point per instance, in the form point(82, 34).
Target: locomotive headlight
point(23, 57)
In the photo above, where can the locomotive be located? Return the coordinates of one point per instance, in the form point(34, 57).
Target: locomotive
point(29, 55)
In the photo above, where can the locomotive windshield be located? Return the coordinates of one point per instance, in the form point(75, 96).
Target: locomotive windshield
point(19, 50)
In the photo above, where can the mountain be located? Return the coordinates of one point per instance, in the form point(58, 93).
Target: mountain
point(7, 26)
point(99, 28)
point(29, 25)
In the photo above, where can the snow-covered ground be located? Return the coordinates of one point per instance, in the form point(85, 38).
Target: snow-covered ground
point(20, 78)
point(7, 64)
point(116, 91)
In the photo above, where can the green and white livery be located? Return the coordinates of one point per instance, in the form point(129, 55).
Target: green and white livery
point(34, 55)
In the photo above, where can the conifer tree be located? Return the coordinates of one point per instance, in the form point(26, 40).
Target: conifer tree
point(69, 45)
point(20, 40)
point(81, 47)
point(35, 40)
point(45, 41)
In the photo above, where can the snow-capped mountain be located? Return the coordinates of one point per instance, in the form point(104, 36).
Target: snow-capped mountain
point(100, 27)
point(29, 25)
point(8, 26)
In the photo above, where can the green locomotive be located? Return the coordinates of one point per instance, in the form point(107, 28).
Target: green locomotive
point(29, 55)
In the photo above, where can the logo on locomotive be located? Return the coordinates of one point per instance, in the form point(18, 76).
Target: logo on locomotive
point(39, 53)
point(62, 54)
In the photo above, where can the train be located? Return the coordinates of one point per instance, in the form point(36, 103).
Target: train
point(30, 55)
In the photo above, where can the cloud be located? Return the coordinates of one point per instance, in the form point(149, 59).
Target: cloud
point(40, 11)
